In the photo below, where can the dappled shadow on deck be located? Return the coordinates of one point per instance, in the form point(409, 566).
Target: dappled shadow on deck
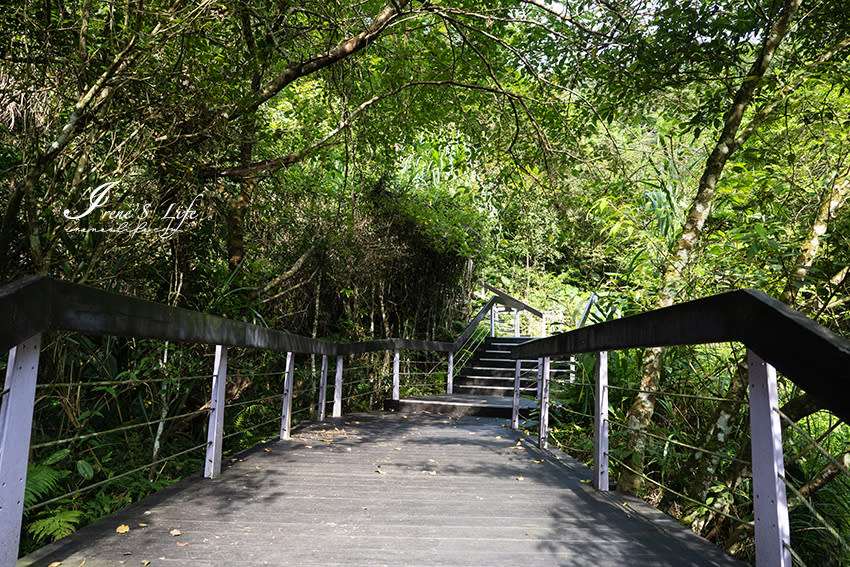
point(390, 489)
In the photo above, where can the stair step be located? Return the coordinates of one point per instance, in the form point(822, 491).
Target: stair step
point(493, 380)
point(461, 404)
point(493, 391)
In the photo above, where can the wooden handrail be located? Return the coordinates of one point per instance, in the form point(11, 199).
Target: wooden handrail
point(812, 356)
point(512, 302)
point(35, 304)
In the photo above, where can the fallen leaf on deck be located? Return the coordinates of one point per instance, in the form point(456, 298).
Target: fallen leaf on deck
point(584, 481)
point(55, 564)
point(267, 450)
point(379, 471)
point(538, 461)
point(182, 543)
point(141, 525)
point(145, 562)
point(122, 529)
point(520, 478)
point(326, 440)
point(430, 472)
point(175, 532)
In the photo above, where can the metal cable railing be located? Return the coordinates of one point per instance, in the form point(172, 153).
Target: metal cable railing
point(98, 484)
point(579, 441)
point(160, 405)
point(87, 436)
point(724, 503)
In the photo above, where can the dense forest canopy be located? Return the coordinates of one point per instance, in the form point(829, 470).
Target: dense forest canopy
point(350, 170)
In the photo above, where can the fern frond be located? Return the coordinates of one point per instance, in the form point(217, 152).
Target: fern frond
point(41, 481)
point(251, 414)
point(55, 526)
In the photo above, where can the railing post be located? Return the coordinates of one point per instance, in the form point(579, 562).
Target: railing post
point(770, 507)
point(600, 424)
point(215, 429)
point(543, 440)
point(539, 377)
point(515, 412)
point(323, 388)
point(493, 320)
point(337, 411)
point(16, 409)
point(395, 375)
point(286, 414)
point(450, 374)
point(516, 322)
point(572, 370)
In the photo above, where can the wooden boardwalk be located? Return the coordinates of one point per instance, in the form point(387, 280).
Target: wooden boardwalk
point(390, 489)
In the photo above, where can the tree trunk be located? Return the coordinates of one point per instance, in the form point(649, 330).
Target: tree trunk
point(705, 466)
point(238, 206)
point(830, 202)
point(641, 411)
point(826, 476)
point(722, 427)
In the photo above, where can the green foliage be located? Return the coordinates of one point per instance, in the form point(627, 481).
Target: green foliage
point(54, 525)
point(42, 480)
point(551, 157)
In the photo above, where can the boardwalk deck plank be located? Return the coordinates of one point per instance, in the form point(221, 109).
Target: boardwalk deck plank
point(455, 492)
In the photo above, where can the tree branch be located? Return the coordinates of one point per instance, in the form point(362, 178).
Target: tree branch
point(272, 165)
point(286, 275)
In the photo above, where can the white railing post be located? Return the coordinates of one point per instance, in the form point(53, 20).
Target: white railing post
point(516, 322)
point(286, 413)
point(493, 320)
point(16, 409)
point(337, 411)
point(515, 412)
point(323, 388)
point(450, 374)
point(539, 377)
point(600, 424)
point(770, 507)
point(395, 375)
point(543, 440)
point(215, 429)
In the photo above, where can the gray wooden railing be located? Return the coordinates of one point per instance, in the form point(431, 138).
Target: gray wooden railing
point(777, 338)
point(36, 304)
